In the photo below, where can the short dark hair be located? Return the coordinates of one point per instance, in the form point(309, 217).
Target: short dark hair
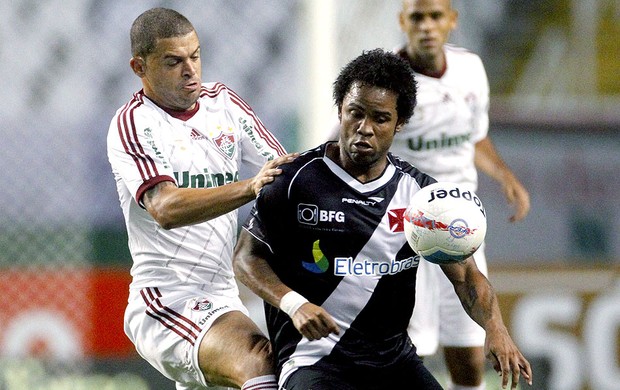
point(382, 69)
point(155, 24)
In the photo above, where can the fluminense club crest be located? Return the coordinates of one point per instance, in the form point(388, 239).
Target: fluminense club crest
point(225, 143)
point(201, 305)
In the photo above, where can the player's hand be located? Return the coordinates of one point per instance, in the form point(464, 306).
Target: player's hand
point(313, 322)
point(269, 171)
point(518, 197)
point(506, 358)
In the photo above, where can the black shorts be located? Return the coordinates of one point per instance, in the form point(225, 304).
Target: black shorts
point(412, 375)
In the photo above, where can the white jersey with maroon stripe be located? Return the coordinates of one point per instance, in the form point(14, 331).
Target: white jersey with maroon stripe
point(450, 117)
point(147, 145)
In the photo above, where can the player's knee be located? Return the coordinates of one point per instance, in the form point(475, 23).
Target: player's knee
point(466, 365)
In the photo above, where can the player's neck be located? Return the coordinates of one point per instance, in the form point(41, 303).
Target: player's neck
point(431, 66)
point(363, 172)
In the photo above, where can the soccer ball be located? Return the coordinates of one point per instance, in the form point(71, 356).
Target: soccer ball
point(445, 223)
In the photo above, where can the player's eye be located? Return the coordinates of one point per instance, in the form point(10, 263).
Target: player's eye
point(436, 15)
point(416, 18)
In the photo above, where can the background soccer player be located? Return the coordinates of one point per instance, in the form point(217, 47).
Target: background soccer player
point(447, 138)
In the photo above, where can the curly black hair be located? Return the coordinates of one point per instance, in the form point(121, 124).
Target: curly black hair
point(382, 69)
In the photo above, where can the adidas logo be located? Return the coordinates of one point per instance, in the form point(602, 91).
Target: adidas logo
point(195, 135)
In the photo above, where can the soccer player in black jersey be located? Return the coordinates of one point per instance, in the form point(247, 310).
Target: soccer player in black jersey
point(324, 247)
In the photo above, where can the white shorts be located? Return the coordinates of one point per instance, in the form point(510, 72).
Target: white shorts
point(167, 326)
point(438, 316)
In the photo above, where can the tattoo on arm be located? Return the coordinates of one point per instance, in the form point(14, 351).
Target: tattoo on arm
point(479, 301)
point(470, 298)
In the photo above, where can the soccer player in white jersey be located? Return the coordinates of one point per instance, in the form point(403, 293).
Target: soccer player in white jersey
point(175, 150)
point(324, 247)
point(447, 138)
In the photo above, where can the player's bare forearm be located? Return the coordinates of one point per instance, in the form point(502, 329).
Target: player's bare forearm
point(252, 269)
point(488, 161)
point(174, 207)
point(478, 298)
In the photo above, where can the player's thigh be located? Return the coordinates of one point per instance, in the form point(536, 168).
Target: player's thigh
point(316, 379)
point(423, 327)
point(167, 327)
point(410, 374)
point(235, 350)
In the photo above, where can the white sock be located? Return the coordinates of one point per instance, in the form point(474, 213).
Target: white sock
point(452, 386)
point(265, 382)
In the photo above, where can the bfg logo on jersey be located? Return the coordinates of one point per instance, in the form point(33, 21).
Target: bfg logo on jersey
point(309, 214)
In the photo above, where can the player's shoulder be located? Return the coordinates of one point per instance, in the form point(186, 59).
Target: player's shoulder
point(407, 169)
point(462, 55)
point(298, 171)
point(138, 110)
point(303, 160)
point(217, 94)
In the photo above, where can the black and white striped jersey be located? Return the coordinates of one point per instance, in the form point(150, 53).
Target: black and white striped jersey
point(340, 243)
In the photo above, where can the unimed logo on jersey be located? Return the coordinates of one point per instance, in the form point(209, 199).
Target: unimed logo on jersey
point(310, 214)
point(395, 219)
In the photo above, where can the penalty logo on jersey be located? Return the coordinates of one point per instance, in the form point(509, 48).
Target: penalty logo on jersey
point(225, 144)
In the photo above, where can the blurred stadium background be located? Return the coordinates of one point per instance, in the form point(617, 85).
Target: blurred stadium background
point(554, 69)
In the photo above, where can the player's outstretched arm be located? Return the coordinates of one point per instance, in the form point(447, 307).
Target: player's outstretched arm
point(488, 160)
point(251, 268)
point(480, 302)
point(174, 207)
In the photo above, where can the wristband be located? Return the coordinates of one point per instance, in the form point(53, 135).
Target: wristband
point(291, 301)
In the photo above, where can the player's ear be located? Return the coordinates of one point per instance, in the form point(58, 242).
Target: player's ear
point(138, 66)
point(399, 126)
point(454, 19)
point(401, 20)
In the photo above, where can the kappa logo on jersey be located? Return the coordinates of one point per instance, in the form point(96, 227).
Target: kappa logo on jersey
point(395, 219)
point(309, 214)
point(201, 305)
point(321, 264)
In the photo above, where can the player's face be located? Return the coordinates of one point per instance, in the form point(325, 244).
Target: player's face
point(368, 122)
point(427, 24)
point(172, 73)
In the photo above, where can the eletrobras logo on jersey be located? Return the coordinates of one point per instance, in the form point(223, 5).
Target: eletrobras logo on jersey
point(345, 266)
